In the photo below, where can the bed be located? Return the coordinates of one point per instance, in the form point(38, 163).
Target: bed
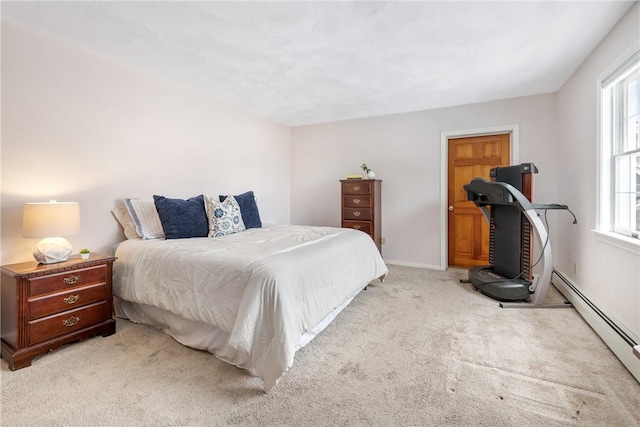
point(252, 298)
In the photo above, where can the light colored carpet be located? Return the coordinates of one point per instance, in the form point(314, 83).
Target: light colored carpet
point(419, 349)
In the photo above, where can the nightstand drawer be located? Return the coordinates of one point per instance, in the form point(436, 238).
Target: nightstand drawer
point(358, 187)
point(354, 201)
point(67, 280)
point(358, 225)
point(54, 303)
point(357, 214)
point(67, 322)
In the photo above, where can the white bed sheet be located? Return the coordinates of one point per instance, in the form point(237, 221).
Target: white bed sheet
point(263, 288)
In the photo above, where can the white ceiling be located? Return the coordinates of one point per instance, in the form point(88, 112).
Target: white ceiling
point(309, 62)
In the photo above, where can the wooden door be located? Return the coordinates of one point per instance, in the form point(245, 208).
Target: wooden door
point(469, 158)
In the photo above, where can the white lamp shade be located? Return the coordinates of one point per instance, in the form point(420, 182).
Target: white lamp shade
point(50, 219)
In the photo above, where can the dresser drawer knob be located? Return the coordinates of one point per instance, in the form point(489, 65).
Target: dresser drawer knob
point(71, 279)
point(357, 227)
point(71, 299)
point(357, 213)
point(356, 201)
point(356, 188)
point(71, 321)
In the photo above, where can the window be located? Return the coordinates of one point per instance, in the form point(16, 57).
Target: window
point(620, 155)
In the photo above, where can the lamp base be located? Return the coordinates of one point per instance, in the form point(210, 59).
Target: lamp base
point(52, 250)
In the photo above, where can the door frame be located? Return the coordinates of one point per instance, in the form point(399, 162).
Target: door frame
point(514, 144)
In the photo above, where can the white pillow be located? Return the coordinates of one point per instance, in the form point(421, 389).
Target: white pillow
point(224, 217)
point(145, 216)
point(122, 215)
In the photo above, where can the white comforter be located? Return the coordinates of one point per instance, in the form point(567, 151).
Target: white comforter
point(264, 287)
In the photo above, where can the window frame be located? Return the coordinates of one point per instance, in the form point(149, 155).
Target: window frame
point(611, 124)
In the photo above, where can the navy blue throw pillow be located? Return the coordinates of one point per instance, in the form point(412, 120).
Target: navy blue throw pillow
point(182, 219)
point(248, 209)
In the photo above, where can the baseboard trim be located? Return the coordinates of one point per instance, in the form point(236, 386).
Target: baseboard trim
point(620, 343)
point(412, 264)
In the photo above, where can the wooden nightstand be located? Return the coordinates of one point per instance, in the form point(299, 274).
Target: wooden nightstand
point(47, 305)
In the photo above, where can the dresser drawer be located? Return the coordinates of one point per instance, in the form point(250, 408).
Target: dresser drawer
point(68, 321)
point(67, 280)
point(54, 303)
point(357, 214)
point(355, 201)
point(364, 226)
point(357, 187)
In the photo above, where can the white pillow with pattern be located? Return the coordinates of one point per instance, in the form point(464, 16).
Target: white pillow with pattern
point(224, 217)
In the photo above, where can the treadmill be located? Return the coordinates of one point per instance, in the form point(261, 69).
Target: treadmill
point(513, 225)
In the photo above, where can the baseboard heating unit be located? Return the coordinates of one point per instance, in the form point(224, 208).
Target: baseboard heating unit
point(617, 338)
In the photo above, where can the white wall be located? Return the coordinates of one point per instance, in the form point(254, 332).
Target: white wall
point(609, 274)
point(404, 151)
point(79, 128)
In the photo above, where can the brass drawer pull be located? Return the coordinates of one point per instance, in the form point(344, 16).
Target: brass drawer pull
point(71, 321)
point(357, 213)
point(71, 299)
point(356, 201)
point(356, 188)
point(357, 227)
point(71, 279)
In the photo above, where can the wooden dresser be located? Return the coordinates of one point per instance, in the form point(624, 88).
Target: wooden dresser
point(47, 305)
point(361, 200)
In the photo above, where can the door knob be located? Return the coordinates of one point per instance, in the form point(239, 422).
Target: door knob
point(451, 208)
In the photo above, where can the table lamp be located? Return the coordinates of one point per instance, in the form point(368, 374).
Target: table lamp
point(51, 221)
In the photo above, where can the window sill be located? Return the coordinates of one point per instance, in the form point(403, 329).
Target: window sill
point(628, 244)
